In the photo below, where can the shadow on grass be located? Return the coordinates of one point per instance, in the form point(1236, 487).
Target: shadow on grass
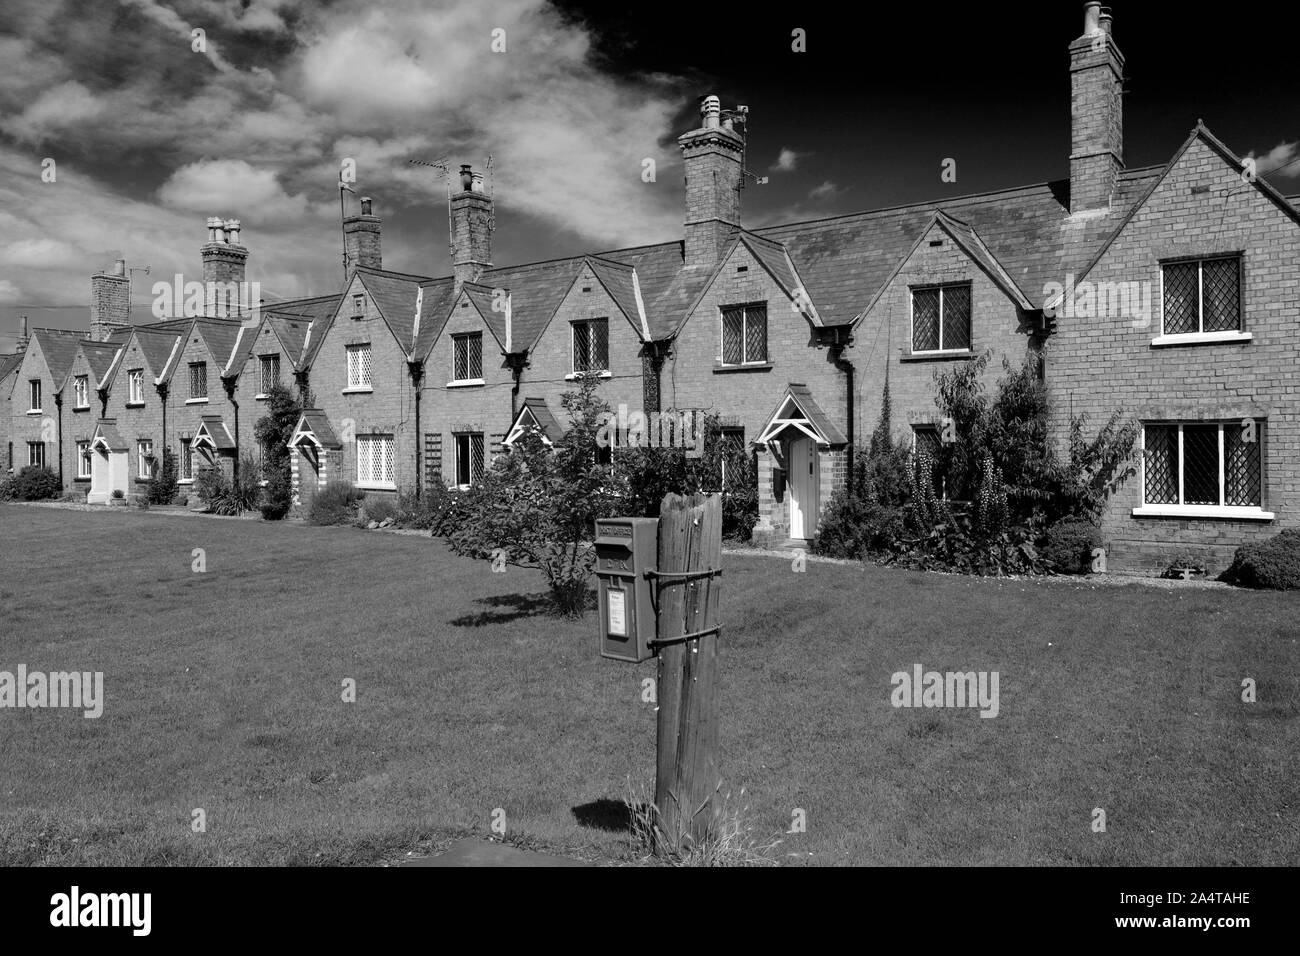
point(508, 607)
point(612, 816)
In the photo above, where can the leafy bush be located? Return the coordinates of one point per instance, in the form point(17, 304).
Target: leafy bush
point(273, 431)
point(225, 497)
point(378, 509)
point(277, 496)
point(163, 486)
point(652, 473)
point(118, 493)
point(1068, 545)
point(336, 503)
point(1272, 564)
point(538, 505)
point(141, 501)
point(32, 483)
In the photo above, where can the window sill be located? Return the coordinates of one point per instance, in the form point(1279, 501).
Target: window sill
point(184, 481)
point(81, 408)
point(605, 373)
point(135, 404)
point(196, 401)
point(34, 411)
point(376, 486)
point(466, 383)
point(720, 369)
point(82, 478)
point(940, 355)
point(359, 390)
point(1226, 513)
point(1200, 338)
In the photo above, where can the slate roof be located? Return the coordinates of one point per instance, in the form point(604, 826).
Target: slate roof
point(106, 428)
point(59, 346)
point(157, 346)
point(541, 414)
point(8, 363)
point(436, 299)
point(394, 294)
point(318, 424)
point(99, 356)
point(803, 397)
point(216, 429)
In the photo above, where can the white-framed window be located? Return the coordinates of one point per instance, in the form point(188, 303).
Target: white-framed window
point(1201, 297)
point(359, 366)
point(36, 454)
point(467, 357)
point(83, 459)
point(135, 386)
point(185, 466)
point(375, 459)
point(144, 458)
point(268, 374)
point(34, 395)
point(81, 391)
point(744, 334)
point(469, 457)
point(1203, 469)
point(198, 380)
point(590, 345)
point(941, 318)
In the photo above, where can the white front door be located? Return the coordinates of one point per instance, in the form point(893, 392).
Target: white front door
point(804, 482)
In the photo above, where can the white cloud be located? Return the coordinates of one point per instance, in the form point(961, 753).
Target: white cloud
point(827, 190)
point(231, 187)
point(9, 293)
point(787, 160)
point(41, 252)
point(1283, 154)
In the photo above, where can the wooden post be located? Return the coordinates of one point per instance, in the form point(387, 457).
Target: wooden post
point(688, 779)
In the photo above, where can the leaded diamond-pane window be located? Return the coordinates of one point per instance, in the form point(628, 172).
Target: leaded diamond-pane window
point(941, 318)
point(1206, 464)
point(469, 457)
point(198, 380)
point(358, 366)
point(375, 460)
point(591, 345)
point(1202, 295)
point(467, 358)
point(744, 334)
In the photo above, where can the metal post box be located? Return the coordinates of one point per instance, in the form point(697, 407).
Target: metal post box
point(626, 548)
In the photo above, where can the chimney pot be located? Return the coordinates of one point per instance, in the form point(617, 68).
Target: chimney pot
point(710, 110)
point(214, 224)
point(466, 178)
point(1091, 18)
point(365, 205)
point(232, 231)
point(119, 267)
point(476, 182)
point(1105, 20)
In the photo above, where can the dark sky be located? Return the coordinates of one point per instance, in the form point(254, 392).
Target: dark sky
point(153, 138)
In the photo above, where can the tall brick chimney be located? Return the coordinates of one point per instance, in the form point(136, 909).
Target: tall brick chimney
point(471, 228)
point(361, 239)
point(1096, 112)
point(23, 336)
point(712, 157)
point(223, 262)
point(110, 302)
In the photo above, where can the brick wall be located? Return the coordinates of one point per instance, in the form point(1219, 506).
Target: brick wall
point(40, 427)
point(447, 409)
point(883, 339)
point(1097, 365)
point(78, 423)
point(388, 409)
point(136, 422)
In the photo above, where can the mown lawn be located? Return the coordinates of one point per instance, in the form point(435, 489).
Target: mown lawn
point(224, 692)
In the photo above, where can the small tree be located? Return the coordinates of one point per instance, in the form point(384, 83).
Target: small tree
point(273, 432)
point(537, 506)
point(163, 486)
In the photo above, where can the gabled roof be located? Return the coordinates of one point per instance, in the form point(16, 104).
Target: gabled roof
point(798, 410)
point(159, 348)
point(314, 428)
point(483, 298)
point(394, 295)
point(620, 281)
point(100, 356)
point(534, 413)
point(106, 434)
point(1202, 134)
point(536, 291)
point(436, 299)
point(212, 431)
point(10, 363)
point(59, 346)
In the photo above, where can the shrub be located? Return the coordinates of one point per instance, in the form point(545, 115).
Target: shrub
point(336, 503)
point(853, 527)
point(1272, 564)
point(210, 485)
point(118, 494)
point(163, 486)
point(538, 504)
point(378, 509)
point(32, 483)
point(141, 501)
point(1068, 545)
point(225, 497)
point(277, 496)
